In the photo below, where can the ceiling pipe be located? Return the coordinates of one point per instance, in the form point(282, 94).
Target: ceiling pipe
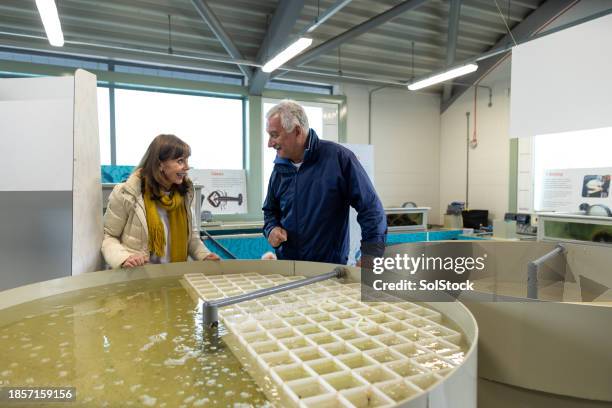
point(356, 31)
point(370, 111)
point(331, 10)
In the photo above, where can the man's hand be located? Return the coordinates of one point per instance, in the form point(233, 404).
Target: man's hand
point(135, 260)
point(211, 257)
point(277, 236)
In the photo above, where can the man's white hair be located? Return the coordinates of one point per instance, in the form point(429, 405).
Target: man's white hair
point(291, 115)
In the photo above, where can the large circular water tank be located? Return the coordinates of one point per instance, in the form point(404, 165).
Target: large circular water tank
point(135, 338)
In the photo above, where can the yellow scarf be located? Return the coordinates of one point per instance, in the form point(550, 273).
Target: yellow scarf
point(174, 204)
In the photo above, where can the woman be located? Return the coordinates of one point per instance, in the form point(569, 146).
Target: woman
point(148, 218)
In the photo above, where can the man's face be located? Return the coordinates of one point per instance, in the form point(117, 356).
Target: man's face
point(285, 143)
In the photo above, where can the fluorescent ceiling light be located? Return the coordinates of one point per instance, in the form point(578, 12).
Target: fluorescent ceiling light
point(50, 19)
point(445, 76)
point(286, 54)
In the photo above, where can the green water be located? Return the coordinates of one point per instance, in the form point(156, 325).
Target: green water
point(138, 343)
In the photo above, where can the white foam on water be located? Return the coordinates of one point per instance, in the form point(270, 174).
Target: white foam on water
point(135, 295)
point(133, 388)
point(201, 402)
point(181, 360)
point(156, 338)
point(147, 400)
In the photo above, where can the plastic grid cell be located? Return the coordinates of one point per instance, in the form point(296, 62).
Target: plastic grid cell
point(324, 348)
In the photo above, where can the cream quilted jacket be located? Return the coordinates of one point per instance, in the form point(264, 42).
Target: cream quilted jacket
point(125, 225)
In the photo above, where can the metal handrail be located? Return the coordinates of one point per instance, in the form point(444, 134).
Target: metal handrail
point(210, 309)
point(534, 266)
point(214, 241)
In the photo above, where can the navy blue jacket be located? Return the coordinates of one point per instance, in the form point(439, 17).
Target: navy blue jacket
point(312, 204)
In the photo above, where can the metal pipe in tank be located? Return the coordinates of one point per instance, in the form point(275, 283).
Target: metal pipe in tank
point(534, 267)
point(210, 309)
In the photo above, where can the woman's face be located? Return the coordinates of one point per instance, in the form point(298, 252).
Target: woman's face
point(174, 171)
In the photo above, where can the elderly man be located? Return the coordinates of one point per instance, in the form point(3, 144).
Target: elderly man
point(312, 187)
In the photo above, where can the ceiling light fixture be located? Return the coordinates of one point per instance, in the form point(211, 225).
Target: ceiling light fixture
point(444, 76)
point(51, 22)
point(285, 55)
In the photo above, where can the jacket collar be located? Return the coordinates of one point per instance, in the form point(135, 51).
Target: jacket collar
point(310, 153)
point(133, 184)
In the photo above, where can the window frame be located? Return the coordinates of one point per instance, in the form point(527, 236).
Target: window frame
point(253, 106)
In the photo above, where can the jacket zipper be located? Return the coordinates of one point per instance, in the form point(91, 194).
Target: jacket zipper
point(299, 248)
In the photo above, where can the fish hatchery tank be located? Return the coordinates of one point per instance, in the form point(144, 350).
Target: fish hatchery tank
point(136, 338)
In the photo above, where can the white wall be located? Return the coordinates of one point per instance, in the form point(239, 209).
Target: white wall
point(489, 161)
point(357, 108)
point(405, 135)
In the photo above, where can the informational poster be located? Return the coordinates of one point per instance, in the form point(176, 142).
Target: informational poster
point(564, 190)
point(223, 191)
point(365, 155)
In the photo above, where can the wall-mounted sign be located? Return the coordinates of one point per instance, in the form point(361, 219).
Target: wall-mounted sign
point(564, 190)
point(223, 191)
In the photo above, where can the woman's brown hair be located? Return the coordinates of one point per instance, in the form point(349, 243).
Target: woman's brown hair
point(163, 147)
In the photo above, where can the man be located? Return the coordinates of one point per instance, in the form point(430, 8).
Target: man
point(312, 187)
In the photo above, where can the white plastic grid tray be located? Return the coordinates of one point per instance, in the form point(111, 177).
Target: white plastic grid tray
point(322, 347)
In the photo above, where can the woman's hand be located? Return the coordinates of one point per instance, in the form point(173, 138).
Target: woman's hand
point(135, 260)
point(212, 257)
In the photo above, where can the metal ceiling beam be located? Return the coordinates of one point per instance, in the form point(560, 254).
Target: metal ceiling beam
point(286, 15)
point(527, 28)
point(215, 26)
point(451, 45)
point(356, 31)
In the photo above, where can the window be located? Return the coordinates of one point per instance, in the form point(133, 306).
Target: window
point(104, 125)
point(570, 150)
point(213, 127)
point(322, 117)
